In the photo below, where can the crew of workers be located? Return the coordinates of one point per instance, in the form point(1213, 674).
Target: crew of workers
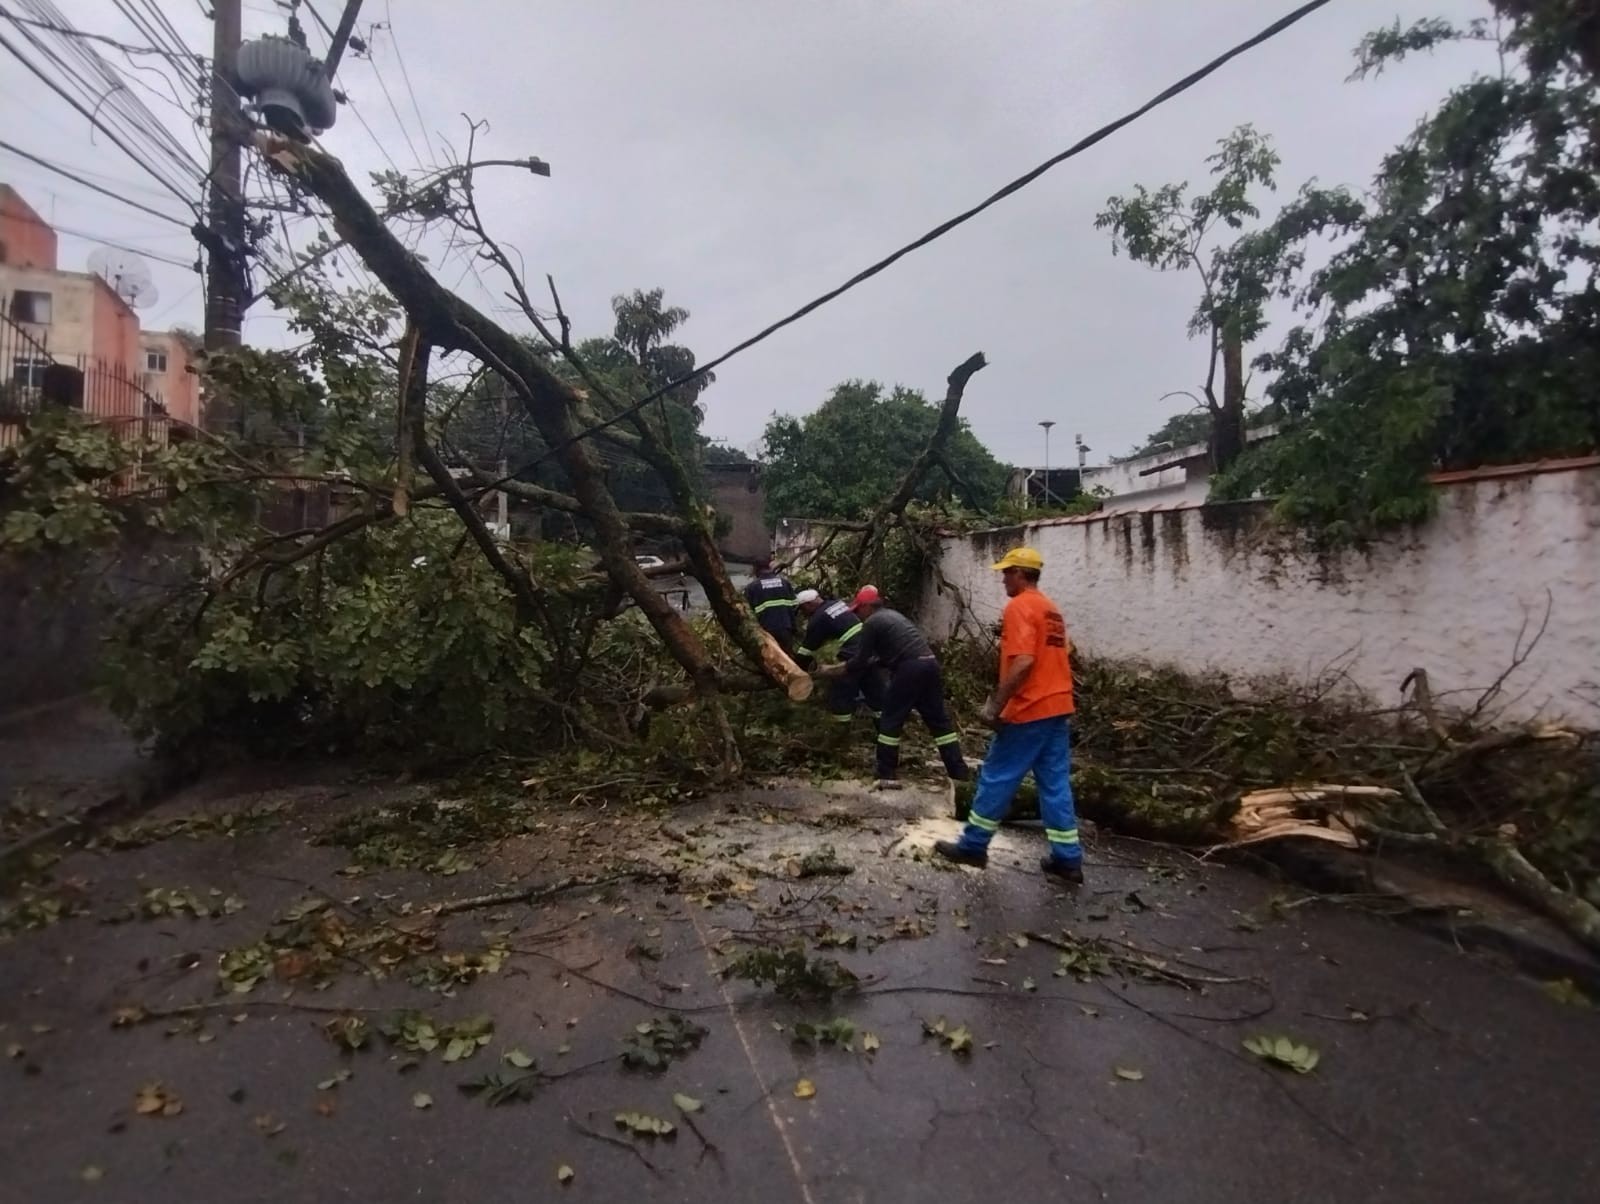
point(878, 657)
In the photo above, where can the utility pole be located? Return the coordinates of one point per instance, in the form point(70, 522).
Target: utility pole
point(1047, 424)
point(225, 244)
point(341, 36)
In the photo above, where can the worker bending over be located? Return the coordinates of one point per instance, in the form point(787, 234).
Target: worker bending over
point(893, 641)
point(833, 629)
point(1029, 711)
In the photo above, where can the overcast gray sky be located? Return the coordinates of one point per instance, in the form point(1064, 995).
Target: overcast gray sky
point(747, 156)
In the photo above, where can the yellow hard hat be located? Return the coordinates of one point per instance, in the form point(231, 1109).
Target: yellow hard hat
point(1020, 558)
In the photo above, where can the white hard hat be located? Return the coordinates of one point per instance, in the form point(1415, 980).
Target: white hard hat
point(807, 595)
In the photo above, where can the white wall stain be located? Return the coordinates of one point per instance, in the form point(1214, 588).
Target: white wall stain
point(1216, 589)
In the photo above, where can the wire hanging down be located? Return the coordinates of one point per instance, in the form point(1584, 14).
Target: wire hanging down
point(1021, 182)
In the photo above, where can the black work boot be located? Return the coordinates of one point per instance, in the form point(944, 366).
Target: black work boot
point(951, 851)
point(1068, 872)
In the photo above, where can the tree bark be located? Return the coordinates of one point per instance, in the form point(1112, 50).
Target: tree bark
point(1227, 419)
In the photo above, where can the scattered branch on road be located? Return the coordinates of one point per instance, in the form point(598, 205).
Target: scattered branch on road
point(537, 894)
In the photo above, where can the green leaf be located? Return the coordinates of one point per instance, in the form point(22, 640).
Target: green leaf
point(1132, 1075)
point(518, 1059)
point(1282, 1051)
point(565, 1174)
point(1565, 991)
point(687, 1103)
point(645, 1125)
point(422, 1100)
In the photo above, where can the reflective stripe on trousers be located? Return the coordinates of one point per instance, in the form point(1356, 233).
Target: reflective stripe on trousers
point(1043, 748)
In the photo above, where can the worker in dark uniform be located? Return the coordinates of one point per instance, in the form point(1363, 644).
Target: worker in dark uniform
point(833, 631)
point(893, 641)
point(771, 596)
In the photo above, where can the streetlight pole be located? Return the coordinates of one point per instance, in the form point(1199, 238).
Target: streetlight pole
point(1047, 424)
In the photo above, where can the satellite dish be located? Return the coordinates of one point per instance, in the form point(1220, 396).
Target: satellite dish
point(128, 275)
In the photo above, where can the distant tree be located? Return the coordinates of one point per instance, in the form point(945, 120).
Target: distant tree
point(1181, 430)
point(1461, 324)
point(634, 360)
point(712, 452)
point(846, 456)
point(1169, 229)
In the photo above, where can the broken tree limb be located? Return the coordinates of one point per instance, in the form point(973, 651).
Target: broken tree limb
point(644, 522)
point(658, 697)
point(536, 894)
point(1578, 915)
point(888, 512)
point(700, 545)
point(414, 358)
point(554, 406)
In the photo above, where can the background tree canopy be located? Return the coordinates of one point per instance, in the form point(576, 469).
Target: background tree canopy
point(483, 426)
point(847, 456)
point(1460, 323)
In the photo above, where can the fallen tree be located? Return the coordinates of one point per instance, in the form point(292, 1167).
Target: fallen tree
point(1197, 761)
point(439, 319)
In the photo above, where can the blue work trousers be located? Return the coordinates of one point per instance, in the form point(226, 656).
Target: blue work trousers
point(1044, 748)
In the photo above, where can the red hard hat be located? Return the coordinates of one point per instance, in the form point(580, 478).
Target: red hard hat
point(865, 595)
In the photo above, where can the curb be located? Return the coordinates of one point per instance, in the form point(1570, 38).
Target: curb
point(1533, 944)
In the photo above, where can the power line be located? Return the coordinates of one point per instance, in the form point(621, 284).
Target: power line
point(93, 120)
point(87, 235)
point(404, 132)
point(68, 31)
point(121, 100)
point(400, 58)
point(77, 179)
point(99, 83)
point(939, 231)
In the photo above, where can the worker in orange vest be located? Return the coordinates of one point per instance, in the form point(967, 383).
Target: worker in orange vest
point(1030, 711)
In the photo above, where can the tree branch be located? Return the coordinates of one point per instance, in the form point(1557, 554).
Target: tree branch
point(889, 511)
point(444, 320)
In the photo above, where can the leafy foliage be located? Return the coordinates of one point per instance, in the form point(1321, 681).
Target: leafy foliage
point(846, 456)
point(497, 1088)
point(792, 974)
point(653, 1044)
point(1181, 430)
point(1170, 229)
point(837, 1032)
point(1282, 1051)
point(955, 1038)
point(1459, 325)
point(482, 424)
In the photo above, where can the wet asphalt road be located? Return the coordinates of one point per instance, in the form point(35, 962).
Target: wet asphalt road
point(1462, 1083)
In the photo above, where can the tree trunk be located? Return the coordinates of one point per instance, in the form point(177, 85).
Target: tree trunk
point(1227, 421)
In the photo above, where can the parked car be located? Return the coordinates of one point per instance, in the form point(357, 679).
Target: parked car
point(649, 562)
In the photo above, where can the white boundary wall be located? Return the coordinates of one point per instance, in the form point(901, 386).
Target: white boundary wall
point(1216, 588)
